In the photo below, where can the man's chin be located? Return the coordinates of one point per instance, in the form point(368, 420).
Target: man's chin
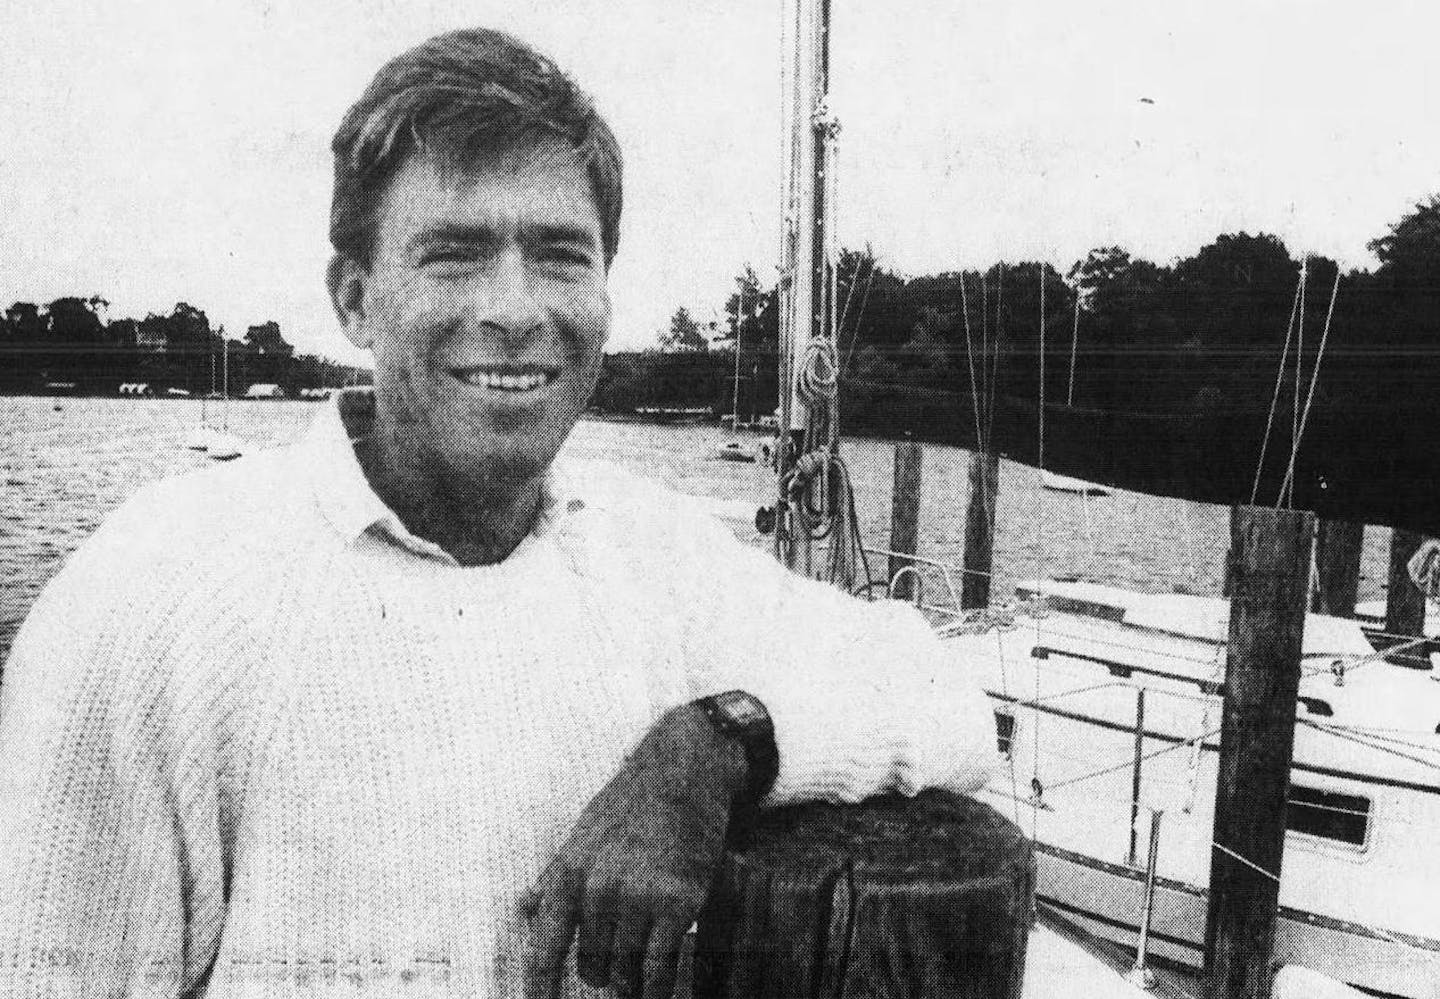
point(507, 468)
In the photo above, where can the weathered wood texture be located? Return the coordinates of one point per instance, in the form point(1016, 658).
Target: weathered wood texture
point(925, 898)
point(980, 530)
point(1404, 602)
point(905, 515)
point(1337, 561)
point(1271, 558)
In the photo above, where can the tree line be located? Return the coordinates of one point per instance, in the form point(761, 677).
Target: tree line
point(1200, 335)
point(71, 343)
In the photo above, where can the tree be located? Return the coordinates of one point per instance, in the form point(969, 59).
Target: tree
point(684, 334)
point(1101, 269)
point(743, 308)
point(24, 322)
point(1410, 252)
point(123, 332)
point(1403, 307)
point(187, 328)
point(265, 338)
point(76, 320)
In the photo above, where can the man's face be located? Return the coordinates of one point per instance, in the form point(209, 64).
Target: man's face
point(486, 308)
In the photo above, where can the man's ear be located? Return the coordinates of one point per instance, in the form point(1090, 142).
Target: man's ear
point(346, 280)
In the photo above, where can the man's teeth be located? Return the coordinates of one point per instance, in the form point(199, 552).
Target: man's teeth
point(505, 381)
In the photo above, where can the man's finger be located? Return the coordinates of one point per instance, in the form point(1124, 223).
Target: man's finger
point(662, 957)
point(627, 952)
point(597, 931)
point(551, 911)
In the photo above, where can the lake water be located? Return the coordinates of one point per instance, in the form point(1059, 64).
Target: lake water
point(64, 463)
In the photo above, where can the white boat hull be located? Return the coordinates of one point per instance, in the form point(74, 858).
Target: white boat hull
point(741, 451)
point(1106, 900)
point(1362, 912)
point(1067, 484)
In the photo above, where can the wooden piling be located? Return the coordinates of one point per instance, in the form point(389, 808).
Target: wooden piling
point(1337, 560)
point(1271, 558)
point(980, 530)
point(1404, 601)
point(905, 516)
point(929, 897)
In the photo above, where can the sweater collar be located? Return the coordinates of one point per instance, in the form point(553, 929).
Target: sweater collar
point(353, 509)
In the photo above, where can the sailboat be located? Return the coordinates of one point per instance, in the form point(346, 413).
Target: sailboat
point(202, 436)
point(1067, 483)
point(224, 445)
point(1108, 708)
point(816, 531)
point(1108, 702)
point(735, 448)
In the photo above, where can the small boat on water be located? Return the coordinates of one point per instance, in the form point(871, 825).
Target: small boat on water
point(741, 451)
point(217, 442)
point(1067, 484)
point(225, 446)
point(201, 438)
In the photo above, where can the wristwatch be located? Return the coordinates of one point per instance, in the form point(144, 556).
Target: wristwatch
point(742, 717)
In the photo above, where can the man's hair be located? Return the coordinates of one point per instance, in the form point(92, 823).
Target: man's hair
point(456, 96)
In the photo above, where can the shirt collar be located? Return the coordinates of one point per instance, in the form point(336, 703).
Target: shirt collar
point(353, 509)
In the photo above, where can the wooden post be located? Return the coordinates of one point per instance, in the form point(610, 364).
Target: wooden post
point(905, 515)
point(1262, 679)
point(1404, 602)
point(1337, 558)
point(980, 530)
point(929, 897)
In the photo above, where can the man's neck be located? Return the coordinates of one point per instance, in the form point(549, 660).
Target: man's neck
point(474, 522)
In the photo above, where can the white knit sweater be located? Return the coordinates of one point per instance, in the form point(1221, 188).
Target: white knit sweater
point(255, 724)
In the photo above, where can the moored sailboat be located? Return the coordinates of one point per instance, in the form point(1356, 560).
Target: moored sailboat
point(1108, 707)
point(1108, 702)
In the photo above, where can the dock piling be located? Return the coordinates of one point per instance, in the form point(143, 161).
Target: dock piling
point(1337, 558)
point(905, 518)
point(928, 897)
point(1271, 559)
point(980, 530)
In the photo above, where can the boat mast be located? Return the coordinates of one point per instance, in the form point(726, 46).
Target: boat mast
point(1074, 341)
point(807, 277)
point(739, 326)
point(225, 381)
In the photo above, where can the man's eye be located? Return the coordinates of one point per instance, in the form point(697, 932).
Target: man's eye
point(447, 255)
point(565, 255)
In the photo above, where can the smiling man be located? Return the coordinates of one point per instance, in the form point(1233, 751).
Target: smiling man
point(483, 297)
point(420, 705)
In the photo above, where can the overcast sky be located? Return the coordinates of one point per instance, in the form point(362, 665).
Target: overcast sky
point(176, 150)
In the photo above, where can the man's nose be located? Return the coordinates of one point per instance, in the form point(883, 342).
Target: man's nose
point(506, 300)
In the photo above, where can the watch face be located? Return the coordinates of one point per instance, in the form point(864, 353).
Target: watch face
point(741, 707)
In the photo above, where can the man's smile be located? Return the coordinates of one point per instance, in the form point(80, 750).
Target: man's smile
point(506, 378)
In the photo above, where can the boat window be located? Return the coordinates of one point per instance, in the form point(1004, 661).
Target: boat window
point(1004, 732)
point(1328, 814)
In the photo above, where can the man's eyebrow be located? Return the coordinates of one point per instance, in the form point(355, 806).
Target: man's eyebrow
point(545, 232)
point(455, 232)
point(552, 232)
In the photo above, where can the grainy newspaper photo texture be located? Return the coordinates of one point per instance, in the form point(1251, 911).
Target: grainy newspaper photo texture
point(747, 500)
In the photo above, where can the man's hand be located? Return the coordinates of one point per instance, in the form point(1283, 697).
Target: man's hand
point(638, 865)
